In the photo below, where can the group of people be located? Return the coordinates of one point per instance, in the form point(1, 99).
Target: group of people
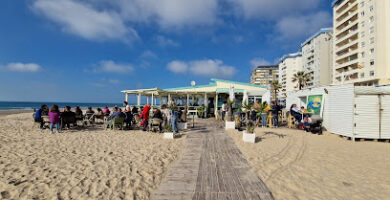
point(67, 116)
point(256, 116)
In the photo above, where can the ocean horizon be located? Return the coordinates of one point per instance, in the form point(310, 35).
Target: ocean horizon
point(27, 105)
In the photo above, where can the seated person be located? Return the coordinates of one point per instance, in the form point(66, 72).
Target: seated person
point(303, 110)
point(78, 113)
point(295, 112)
point(90, 111)
point(39, 113)
point(106, 111)
point(99, 114)
point(116, 114)
point(68, 117)
point(134, 110)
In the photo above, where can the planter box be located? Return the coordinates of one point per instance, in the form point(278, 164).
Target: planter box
point(182, 126)
point(230, 125)
point(169, 135)
point(249, 137)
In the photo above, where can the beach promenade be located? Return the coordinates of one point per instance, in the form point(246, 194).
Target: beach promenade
point(211, 167)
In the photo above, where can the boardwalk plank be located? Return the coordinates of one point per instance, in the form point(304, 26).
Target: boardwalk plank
point(211, 167)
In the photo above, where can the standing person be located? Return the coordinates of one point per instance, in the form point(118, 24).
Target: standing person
point(127, 112)
point(264, 114)
point(224, 110)
point(175, 116)
point(38, 115)
point(166, 115)
point(145, 116)
point(275, 113)
point(54, 116)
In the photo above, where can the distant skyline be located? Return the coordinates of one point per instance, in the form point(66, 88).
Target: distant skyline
point(88, 50)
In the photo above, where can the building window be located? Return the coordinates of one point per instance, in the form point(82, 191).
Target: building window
point(372, 73)
point(371, 8)
point(372, 19)
point(362, 23)
point(362, 75)
point(363, 54)
point(372, 62)
point(363, 44)
point(362, 4)
point(372, 51)
point(371, 29)
point(362, 13)
point(372, 40)
point(362, 34)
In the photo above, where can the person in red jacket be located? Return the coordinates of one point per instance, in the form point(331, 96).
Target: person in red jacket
point(145, 116)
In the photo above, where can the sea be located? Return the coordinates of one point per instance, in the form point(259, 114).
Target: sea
point(13, 105)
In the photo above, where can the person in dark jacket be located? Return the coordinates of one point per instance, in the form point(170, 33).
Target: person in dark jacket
point(68, 117)
point(275, 112)
point(39, 113)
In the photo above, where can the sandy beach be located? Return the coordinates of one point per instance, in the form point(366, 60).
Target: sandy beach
point(82, 163)
point(299, 165)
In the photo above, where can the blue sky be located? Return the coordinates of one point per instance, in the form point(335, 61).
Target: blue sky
point(90, 50)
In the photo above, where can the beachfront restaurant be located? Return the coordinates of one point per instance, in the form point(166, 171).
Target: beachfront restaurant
point(210, 96)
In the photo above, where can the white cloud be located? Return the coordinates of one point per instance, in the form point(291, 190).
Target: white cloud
point(84, 20)
point(112, 67)
point(22, 67)
point(177, 67)
point(165, 42)
point(302, 26)
point(271, 9)
point(113, 81)
point(148, 55)
point(169, 13)
point(255, 62)
point(207, 68)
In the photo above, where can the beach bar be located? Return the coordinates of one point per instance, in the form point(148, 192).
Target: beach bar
point(210, 96)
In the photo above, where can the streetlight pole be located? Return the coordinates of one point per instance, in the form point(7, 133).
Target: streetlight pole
point(193, 89)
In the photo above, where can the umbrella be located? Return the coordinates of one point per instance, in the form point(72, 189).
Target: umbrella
point(245, 98)
point(231, 93)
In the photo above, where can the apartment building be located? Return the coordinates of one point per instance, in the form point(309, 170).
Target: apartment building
point(361, 42)
point(317, 55)
point(265, 75)
point(288, 66)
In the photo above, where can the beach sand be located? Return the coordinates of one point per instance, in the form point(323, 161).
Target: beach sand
point(299, 165)
point(80, 164)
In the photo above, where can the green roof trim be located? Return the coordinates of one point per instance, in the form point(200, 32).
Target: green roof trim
point(239, 83)
point(192, 87)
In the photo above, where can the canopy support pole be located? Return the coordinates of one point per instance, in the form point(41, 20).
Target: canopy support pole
point(139, 99)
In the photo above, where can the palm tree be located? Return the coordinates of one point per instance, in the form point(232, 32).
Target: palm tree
point(276, 86)
point(302, 78)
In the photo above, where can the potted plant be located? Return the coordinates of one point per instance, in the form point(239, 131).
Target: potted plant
point(201, 111)
point(168, 134)
point(248, 135)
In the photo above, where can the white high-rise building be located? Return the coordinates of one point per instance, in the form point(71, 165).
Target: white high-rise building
point(317, 55)
point(288, 66)
point(361, 42)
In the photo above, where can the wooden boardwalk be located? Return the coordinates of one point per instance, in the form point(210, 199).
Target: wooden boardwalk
point(211, 167)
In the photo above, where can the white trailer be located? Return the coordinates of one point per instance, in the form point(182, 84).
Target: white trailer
point(351, 111)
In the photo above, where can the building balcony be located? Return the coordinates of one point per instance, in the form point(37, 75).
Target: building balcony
point(346, 5)
point(350, 33)
point(346, 64)
point(350, 11)
point(346, 47)
point(353, 25)
point(350, 52)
